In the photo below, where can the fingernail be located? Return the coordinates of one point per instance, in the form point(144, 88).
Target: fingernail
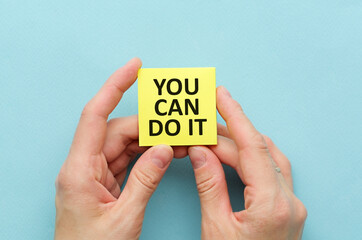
point(197, 156)
point(161, 155)
point(226, 92)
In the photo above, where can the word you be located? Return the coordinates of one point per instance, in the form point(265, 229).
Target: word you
point(174, 87)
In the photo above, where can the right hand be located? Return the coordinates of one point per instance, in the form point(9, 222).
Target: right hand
point(272, 211)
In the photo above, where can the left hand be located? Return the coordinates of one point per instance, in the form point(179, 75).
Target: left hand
point(89, 201)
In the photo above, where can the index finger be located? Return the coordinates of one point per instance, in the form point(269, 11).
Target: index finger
point(91, 131)
point(255, 163)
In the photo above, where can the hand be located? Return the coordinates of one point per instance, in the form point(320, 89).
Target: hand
point(272, 211)
point(89, 202)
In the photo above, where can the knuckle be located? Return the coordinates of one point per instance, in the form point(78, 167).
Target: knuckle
point(86, 110)
point(111, 122)
point(68, 181)
point(268, 140)
point(258, 141)
point(252, 194)
point(285, 212)
point(255, 144)
point(302, 212)
point(147, 179)
point(60, 180)
point(288, 166)
point(90, 110)
point(235, 116)
point(238, 108)
point(208, 185)
point(282, 213)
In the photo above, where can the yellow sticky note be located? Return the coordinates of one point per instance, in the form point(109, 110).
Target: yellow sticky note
point(177, 106)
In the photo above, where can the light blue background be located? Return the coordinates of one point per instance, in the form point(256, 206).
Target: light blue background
point(296, 67)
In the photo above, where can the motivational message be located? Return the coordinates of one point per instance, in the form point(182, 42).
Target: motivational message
point(177, 106)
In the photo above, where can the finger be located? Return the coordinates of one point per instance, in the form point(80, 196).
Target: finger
point(222, 130)
point(120, 177)
point(130, 153)
point(145, 177)
point(120, 133)
point(111, 184)
point(255, 162)
point(123, 131)
point(226, 151)
point(119, 166)
point(281, 161)
point(91, 131)
point(180, 151)
point(126, 157)
point(210, 181)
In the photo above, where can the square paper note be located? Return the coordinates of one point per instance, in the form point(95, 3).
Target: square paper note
point(177, 106)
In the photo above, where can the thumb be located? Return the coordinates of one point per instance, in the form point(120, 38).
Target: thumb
point(145, 177)
point(210, 181)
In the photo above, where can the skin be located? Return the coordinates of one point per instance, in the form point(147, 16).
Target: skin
point(272, 211)
point(90, 205)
